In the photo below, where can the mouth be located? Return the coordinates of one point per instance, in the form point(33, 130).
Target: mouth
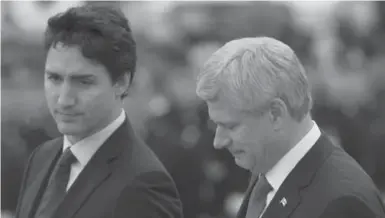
point(236, 153)
point(67, 115)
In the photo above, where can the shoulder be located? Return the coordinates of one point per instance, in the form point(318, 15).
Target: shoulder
point(143, 158)
point(350, 206)
point(49, 145)
point(46, 149)
point(149, 185)
point(142, 166)
point(136, 154)
point(37, 158)
point(343, 187)
point(152, 194)
point(342, 172)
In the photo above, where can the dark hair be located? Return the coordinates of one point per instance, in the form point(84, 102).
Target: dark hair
point(102, 33)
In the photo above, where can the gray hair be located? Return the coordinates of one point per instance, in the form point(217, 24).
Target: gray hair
point(250, 72)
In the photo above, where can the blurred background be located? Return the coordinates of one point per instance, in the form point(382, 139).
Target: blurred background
point(340, 43)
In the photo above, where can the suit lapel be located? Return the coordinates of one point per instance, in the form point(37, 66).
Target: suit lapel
point(242, 210)
point(284, 202)
point(98, 169)
point(43, 161)
point(288, 196)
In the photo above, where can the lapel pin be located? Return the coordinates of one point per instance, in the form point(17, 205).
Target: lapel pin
point(283, 201)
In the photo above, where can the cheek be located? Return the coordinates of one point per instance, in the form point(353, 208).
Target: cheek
point(245, 138)
point(89, 100)
point(50, 94)
point(95, 102)
point(253, 140)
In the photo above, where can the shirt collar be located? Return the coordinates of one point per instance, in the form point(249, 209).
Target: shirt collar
point(84, 149)
point(286, 164)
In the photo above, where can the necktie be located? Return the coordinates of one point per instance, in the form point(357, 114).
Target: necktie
point(258, 196)
point(56, 189)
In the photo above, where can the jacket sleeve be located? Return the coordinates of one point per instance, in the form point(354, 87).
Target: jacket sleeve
point(153, 194)
point(349, 207)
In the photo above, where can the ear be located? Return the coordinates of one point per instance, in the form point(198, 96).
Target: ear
point(121, 85)
point(278, 113)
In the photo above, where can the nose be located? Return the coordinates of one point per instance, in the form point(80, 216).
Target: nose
point(221, 139)
point(66, 96)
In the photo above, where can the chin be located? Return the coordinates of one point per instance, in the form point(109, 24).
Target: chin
point(69, 129)
point(242, 163)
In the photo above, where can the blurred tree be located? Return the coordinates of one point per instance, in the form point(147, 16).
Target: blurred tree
point(13, 158)
point(362, 133)
point(223, 22)
point(189, 158)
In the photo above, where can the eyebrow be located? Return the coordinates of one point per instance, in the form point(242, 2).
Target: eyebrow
point(77, 77)
point(222, 123)
point(80, 77)
point(51, 72)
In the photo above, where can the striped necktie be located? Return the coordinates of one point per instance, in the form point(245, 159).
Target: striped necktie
point(57, 184)
point(257, 201)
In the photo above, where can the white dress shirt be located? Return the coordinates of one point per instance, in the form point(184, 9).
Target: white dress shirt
point(276, 175)
point(86, 148)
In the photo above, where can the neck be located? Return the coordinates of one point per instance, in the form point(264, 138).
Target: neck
point(300, 130)
point(284, 142)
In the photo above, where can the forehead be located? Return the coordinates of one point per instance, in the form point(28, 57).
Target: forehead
point(70, 60)
point(221, 111)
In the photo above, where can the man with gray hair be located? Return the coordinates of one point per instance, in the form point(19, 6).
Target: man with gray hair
point(258, 94)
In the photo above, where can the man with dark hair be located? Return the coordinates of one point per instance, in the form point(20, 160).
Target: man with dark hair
point(99, 168)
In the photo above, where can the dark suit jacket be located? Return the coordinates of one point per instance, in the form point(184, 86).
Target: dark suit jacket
point(123, 179)
point(326, 183)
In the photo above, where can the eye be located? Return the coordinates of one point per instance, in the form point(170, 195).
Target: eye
point(86, 82)
point(227, 126)
point(231, 126)
point(54, 78)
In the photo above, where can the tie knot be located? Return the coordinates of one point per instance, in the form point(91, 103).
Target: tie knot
point(263, 186)
point(67, 158)
point(258, 196)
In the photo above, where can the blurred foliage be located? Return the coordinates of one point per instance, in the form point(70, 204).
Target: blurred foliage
point(172, 45)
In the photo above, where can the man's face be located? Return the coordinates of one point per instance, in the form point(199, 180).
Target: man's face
point(249, 138)
point(79, 92)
